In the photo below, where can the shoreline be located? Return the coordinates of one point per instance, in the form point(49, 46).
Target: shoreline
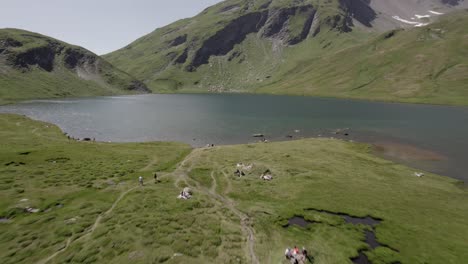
point(398, 149)
point(183, 92)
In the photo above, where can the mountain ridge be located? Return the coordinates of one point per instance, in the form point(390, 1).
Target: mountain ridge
point(37, 66)
point(244, 46)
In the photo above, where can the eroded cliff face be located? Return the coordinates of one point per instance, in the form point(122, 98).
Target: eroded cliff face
point(224, 40)
point(40, 56)
point(45, 56)
point(288, 26)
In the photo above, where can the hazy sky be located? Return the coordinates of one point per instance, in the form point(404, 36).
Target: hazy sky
point(98, 25)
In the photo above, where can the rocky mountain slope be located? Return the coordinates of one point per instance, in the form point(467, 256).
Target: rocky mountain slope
point(251, 45)
point(36, 66)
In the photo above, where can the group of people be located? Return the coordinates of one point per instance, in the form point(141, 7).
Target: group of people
point(155, 176)
point(296, 256)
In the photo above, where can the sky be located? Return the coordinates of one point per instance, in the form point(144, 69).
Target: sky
point(101, 26)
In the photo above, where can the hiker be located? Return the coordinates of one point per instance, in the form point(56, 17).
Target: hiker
point(140, 180)
point(155, 177)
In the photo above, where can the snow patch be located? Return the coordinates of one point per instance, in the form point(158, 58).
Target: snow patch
point(421, 25)
point(423, 16)
point(435, 13)
point(416, 24)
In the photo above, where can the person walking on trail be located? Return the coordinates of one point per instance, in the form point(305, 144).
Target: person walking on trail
point(156, 178)
point(140, 180)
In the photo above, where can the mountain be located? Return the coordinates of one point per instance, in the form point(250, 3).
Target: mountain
point(37, 66)
point(310, 47)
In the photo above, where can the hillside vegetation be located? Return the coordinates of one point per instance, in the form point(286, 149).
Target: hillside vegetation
point(311, 47)
point(35, 66)
point(64, 201)
point(422, 65)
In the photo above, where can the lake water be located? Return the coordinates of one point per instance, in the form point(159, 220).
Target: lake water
point(433, 138)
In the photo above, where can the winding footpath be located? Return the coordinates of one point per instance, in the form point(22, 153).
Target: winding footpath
point(245, 223)
point(91, 230)
point(180, 174)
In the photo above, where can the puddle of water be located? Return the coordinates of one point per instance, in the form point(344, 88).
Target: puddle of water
point(4, 220)
point(361, 259)
point(370, 221)
point(371, 239)
point(299, 221)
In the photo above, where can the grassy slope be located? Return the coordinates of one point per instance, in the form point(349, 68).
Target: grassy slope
point(85, 177)
point(424, 65)
point(149, 58)
point(16, 84)
point(423, 218)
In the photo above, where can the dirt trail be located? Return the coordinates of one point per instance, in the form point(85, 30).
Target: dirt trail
point(214, 185)
point(91, 230)
point(246, 226)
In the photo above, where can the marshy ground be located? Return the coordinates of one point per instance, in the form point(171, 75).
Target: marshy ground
point(91, 208)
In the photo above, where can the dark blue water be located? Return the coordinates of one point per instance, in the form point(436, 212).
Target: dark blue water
point(232, 118)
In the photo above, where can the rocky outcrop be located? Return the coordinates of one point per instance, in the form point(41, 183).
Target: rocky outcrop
point(229, 8)
point(136, 85)
point(276, 22)
point(77, 57)
point(178, 41)
point(224, 40)
point(269, 24)
point(309, 12)
point(359, 10)
point(43, 57)
point(182, 58)
point(452, 2)
point(9, 43)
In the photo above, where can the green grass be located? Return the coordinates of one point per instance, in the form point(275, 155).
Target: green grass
point(424, 219)
point(48, 170)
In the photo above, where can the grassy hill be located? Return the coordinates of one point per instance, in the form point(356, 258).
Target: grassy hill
point(85, 205)
point(421, 65)
point(37, 66)
point(311, 47)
